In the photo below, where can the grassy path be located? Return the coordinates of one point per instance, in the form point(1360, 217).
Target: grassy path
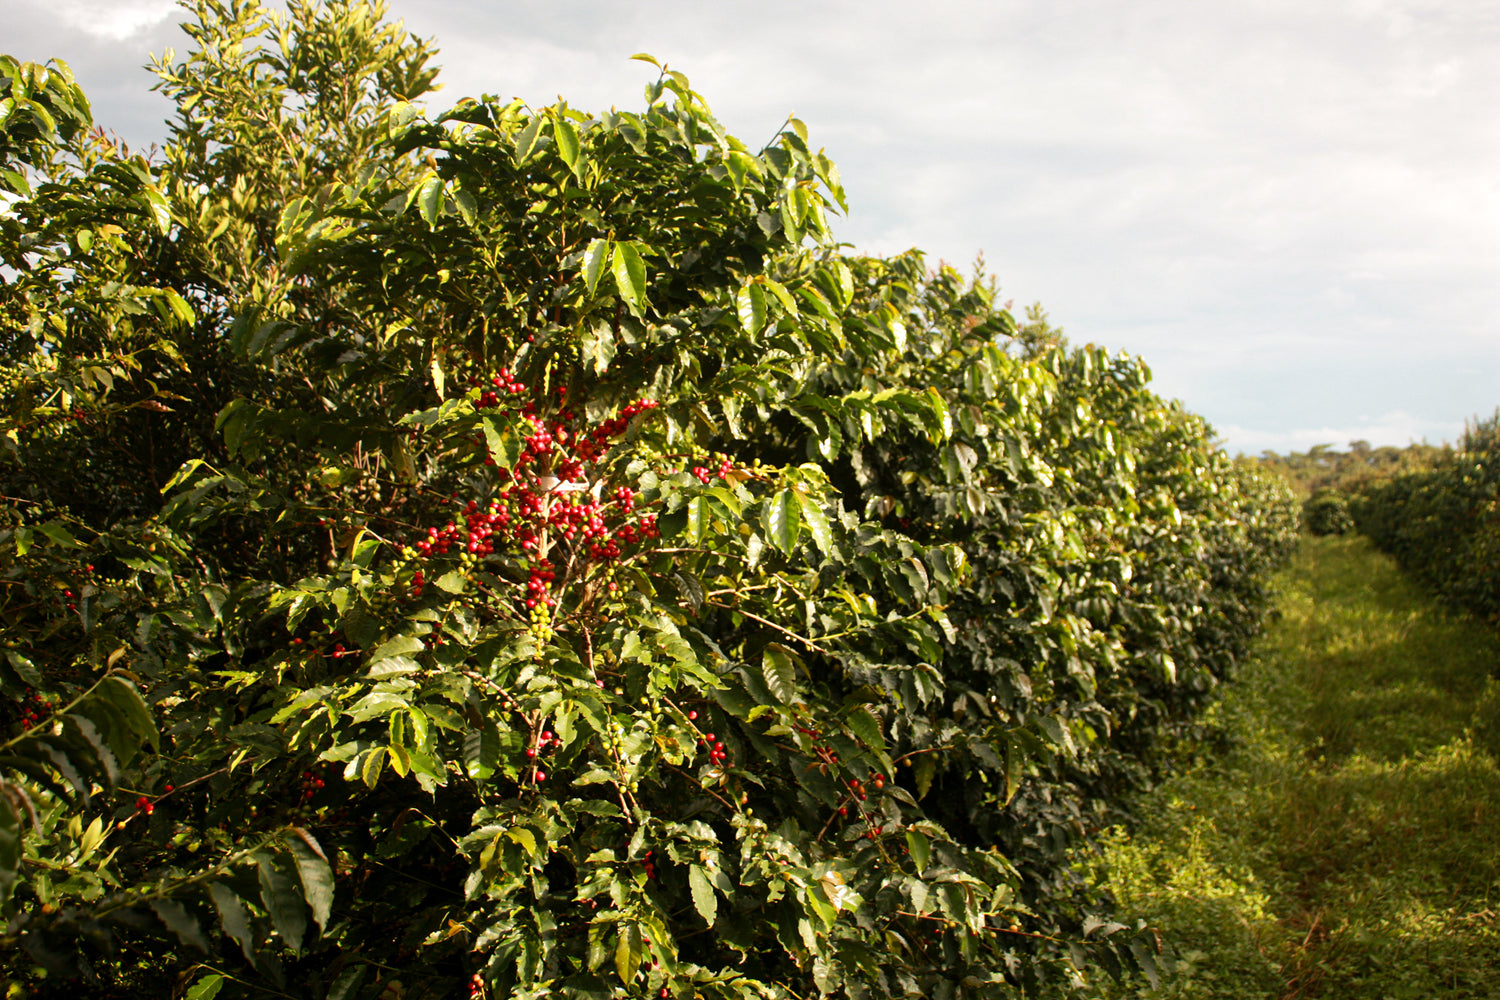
point(1348, 843)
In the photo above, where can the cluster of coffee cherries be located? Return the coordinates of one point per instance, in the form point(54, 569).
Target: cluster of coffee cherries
point(705, 476)
point(716, 754)
point(310, 785)
point(145, 806)
point(543, 503)
point(500, 382)
point(544, 744)
point(34, 710)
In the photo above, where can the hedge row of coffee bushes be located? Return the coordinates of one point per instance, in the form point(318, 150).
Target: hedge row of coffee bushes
point(517, 552)
point(1442, 525)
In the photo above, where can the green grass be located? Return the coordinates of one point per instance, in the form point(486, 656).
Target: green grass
point(1348, 846)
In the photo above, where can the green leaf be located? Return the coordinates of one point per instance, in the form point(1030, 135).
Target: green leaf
point(597, 344)
point(123, 696)
point(780, 672)
point(316, 875)
point(594, 259)
point(920, 848)
point(704, 900)
point(566, 137)
point(630, 276)
point(181, 923)
point(1015, 762)
point(10, 840)
point(526, 141)
point(369, 771)
point(282, 900)
point(503, 441)
point(924, 769)
point(672, 523)
point(452, 582)
point(179, 306)
point(784, 520)
point(430, 200)
point(750, 303)
point(347, 985)
point(234, 918)
point(59, 535)
point(817, 523)
point(865, 726)
point(399, 646)
point(628, 953)
point(783, 296)
point(468, 206)
point(205, 988)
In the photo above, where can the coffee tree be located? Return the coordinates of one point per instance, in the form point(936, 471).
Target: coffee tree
point(515, 551)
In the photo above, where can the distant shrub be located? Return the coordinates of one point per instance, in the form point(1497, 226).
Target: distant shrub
point(1443, 525)
point(1327, 513)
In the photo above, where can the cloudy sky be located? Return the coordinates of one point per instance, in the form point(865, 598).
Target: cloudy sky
point(1291, 210)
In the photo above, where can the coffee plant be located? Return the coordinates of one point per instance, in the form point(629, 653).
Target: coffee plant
point(1326, 512)
point(515, 551)
point(1442, 524)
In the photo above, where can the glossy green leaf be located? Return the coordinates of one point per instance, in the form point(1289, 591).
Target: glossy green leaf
point(595, 257)
point(629, 272)
point(783, 520)
point(750, 303)
point(628, 953)
point(920, 849)
point(566, 137)
point(817, 523)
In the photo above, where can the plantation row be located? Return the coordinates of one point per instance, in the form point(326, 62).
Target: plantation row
point(1442, 524)
point(516, 551)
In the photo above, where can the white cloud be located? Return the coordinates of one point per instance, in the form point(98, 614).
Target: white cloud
point(115, 20)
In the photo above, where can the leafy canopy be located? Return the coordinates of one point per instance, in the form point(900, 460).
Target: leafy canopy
point(517, 548)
